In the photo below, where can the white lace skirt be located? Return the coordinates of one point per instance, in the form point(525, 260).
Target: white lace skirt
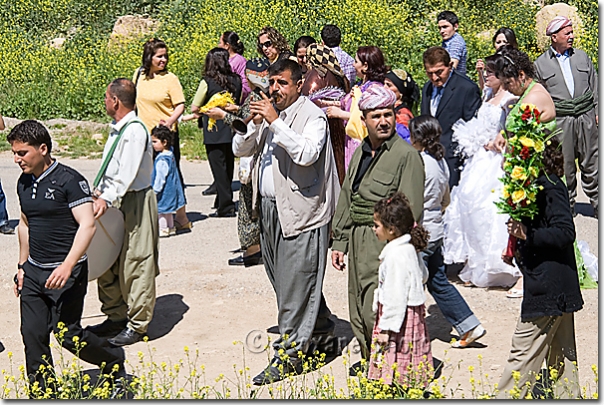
point(475, 233)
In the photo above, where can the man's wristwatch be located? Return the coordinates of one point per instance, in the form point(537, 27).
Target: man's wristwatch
point(19, 266)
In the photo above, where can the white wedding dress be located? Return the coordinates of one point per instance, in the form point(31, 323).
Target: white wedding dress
point(475, 234)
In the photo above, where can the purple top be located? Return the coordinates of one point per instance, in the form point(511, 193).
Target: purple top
point(237, 63)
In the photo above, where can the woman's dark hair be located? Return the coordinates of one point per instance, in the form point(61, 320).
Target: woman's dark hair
point(395, 212)
point(426, 131)
point(217, 68)
point(515, 61)
point(164, 134)
point(32, 133)
point(553, 159)
point(149, 49)
point(303, 42)
point(376, 64)
point(494, 63)
point(509, 34)
point(231, 38)
point(278, 40)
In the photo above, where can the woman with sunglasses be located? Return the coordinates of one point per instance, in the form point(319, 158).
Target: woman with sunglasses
point(475, 233)
point(273, 46)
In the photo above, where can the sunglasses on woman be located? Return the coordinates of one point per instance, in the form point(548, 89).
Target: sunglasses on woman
point(266, 44)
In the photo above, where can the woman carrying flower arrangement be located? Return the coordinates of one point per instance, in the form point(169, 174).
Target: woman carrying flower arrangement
point(543, 232)
point(517, 77)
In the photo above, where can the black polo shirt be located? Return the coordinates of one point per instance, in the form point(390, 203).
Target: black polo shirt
point(47, 202)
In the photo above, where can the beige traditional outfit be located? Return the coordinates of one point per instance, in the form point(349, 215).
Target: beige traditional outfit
point(127, 289)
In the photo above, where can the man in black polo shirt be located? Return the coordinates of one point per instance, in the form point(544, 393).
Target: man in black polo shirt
point(56, 227)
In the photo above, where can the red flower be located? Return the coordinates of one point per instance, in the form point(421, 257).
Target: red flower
point(537, 113)
point(523, 203)
point(525, 153)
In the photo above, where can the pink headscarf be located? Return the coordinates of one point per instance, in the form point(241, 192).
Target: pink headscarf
point(557, 24)
point(377, 96)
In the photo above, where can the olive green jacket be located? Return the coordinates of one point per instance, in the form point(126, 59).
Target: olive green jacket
point(397, 167)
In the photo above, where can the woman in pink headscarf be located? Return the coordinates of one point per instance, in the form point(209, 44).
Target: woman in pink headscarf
point(370, 66)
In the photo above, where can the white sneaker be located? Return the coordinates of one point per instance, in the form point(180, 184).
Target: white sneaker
point(470, 337)
point(164, 233)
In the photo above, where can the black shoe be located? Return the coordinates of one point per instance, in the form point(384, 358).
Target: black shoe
point(229, 214)
point(126, 337)
point(355, 369)
point(210, 190)
point(7, 229)
point(107, 328)
point(247, 261)
point(274, 372)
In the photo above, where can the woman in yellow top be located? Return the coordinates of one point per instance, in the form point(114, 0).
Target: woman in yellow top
point(161, 101)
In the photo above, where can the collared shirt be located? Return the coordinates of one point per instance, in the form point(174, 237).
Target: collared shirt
point(564, 61)
point(47, 203)
point(456, 46)
point(304, 149)
point(346, 63)
point(366, 158)
point(437, 94)
point(131, 165)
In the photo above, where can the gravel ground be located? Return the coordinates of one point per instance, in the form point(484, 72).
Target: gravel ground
point(206, 305)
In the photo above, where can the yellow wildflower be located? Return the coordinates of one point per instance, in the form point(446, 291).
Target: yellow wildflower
point(539, 146)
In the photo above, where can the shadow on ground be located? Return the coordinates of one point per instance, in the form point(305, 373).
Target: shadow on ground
point(169, 311)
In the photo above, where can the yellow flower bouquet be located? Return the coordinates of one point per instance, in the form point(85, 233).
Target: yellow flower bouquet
point(219, 100)
point(523, 163)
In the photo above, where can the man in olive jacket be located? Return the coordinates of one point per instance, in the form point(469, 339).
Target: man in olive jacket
point(383, 164)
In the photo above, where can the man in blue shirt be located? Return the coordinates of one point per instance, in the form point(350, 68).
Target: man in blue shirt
point(448, 23)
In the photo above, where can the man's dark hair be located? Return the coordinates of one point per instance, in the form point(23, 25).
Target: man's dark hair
point(32, 133)
point(286, 64)
point(448, 16)
point(125, 91)
point(435, 55)
point(331, 35)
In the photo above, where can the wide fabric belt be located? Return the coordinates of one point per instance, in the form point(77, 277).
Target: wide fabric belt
point(361, 210)
point(575, 106)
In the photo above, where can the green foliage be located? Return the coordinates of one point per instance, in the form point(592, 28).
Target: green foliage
point(38, 81)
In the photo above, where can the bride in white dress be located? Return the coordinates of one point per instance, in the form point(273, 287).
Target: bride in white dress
point(475, 234)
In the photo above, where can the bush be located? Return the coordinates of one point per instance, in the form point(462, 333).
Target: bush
point(42, 82)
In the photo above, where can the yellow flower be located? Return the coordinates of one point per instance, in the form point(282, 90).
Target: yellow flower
point(531, 106)
point(518, 196)
point(528, 142)
point(539, 146)
point(518, 173)
point(533, 171)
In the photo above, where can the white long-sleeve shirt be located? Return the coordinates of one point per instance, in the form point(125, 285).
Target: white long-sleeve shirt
point(401, 279)
point(304, 149)
point(436, 195)
point(131, 165)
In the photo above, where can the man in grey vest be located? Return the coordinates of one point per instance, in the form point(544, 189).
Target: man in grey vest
point(570, 78)
point(295, 189)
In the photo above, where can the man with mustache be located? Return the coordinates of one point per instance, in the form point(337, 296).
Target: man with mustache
point(383, 164)
point(570, 78)
point(295, 188)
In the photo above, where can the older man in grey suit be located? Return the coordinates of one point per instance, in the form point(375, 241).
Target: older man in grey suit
point(295, 189)
point(572, 81)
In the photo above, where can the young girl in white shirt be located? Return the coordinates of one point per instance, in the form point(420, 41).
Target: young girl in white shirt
point(400, 345)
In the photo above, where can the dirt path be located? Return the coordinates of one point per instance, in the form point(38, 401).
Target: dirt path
point(205, 304)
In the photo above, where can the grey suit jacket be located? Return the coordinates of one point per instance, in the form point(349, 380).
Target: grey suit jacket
point(549, 74)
